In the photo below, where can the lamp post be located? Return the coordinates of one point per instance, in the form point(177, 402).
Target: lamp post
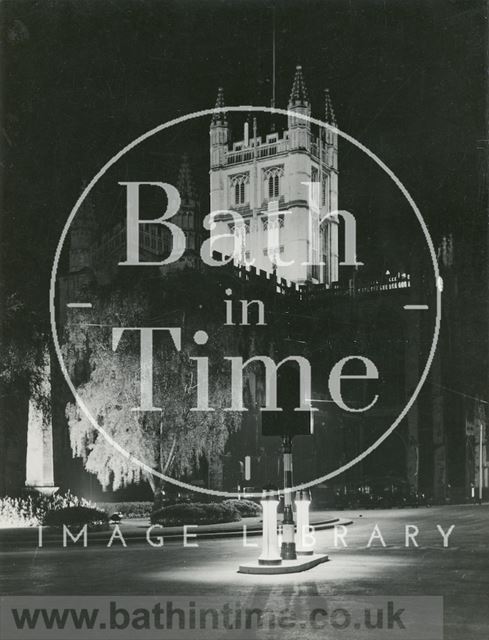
point(288, 527)
point(302, 502)
point(270, 554)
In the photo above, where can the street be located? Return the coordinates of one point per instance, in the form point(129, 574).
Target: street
point(458, 572)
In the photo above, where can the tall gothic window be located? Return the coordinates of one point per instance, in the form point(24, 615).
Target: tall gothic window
point(325, 191)
point(272, 181)
point(239, 193)
point(273, 186)
point(238, 184)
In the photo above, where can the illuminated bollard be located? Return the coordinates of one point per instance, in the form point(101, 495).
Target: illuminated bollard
point(270, 553)
point(303, 537)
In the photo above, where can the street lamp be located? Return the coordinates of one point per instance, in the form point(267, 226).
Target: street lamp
point(287, 422)
point(288, 551)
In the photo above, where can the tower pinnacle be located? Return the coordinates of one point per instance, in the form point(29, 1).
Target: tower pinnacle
point(298, 94)
point(185, 184)
point(219, 117)
point(329, 114)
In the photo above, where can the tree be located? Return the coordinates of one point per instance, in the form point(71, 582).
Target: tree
point(172, 441)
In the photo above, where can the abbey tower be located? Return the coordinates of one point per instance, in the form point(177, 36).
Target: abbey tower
point(266, 179)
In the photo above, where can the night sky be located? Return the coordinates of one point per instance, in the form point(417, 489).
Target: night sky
point(82, 79)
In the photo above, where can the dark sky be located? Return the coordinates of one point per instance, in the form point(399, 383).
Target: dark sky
point(82, 79)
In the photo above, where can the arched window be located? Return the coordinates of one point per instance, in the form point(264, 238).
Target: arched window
point(238, 184)
point(272, 179)
point(273, 186)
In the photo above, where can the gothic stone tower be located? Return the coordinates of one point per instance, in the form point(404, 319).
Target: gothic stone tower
point(265, 180)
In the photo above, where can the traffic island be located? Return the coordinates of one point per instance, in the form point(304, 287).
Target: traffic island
point(303, 563)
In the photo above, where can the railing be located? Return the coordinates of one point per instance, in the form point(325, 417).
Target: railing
point(263, 151)
point(235, 157)
point(388, 283)
point(399, 281)
point(271, 149)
